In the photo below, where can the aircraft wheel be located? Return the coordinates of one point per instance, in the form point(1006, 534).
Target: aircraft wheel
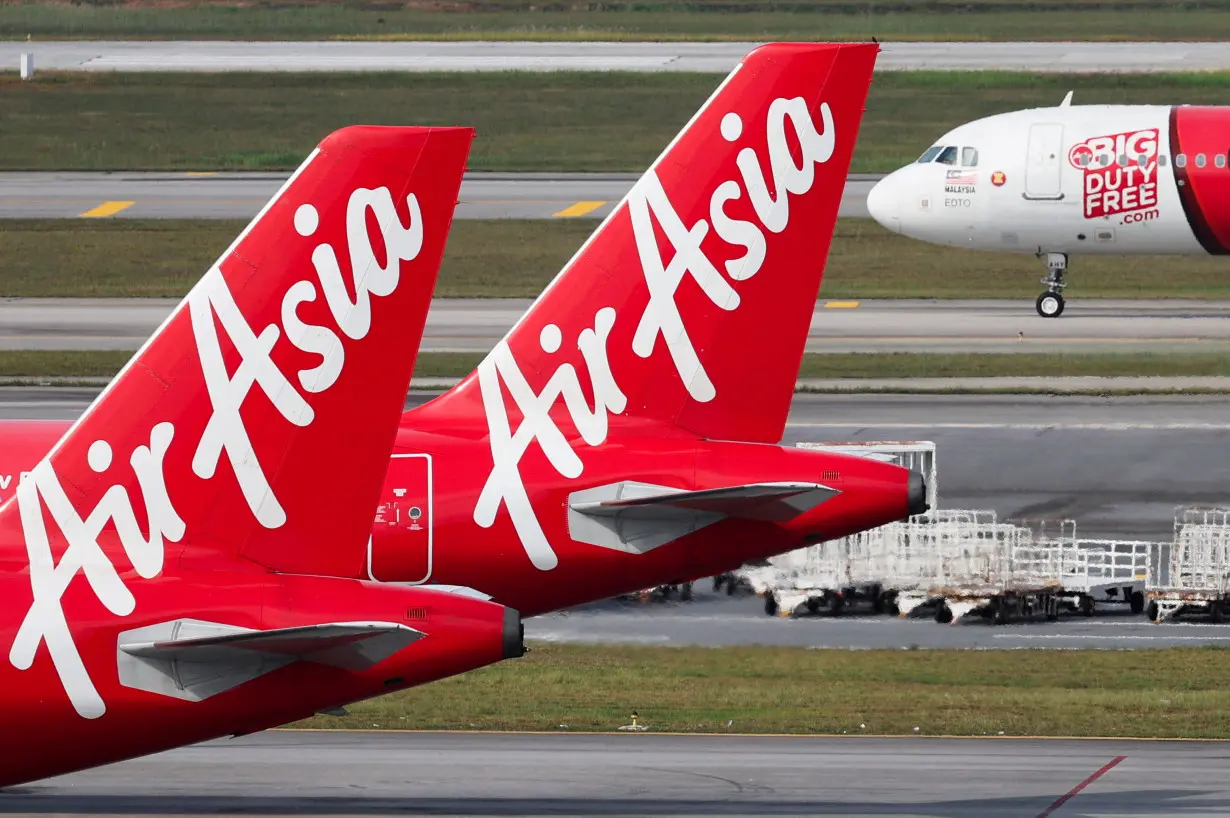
point(1050, 305)
point(770, 604)
point(943, 614)
point(1138, 602)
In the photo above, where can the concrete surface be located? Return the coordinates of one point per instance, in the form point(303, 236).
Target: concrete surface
point(599, 56)
point(1118, 466)
point(159, 195)
point(714, 619)
point(475, 325)
point(374, 773)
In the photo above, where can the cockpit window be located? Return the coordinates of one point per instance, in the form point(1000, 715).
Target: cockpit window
point(948, 156)
point(929, 154)
point(969, 157)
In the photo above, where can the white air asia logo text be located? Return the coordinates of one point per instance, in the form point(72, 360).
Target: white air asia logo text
point(504, 484)
point(648, 201)
point(225, 432)
point(46, 622)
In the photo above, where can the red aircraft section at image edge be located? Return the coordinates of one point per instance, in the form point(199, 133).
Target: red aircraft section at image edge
point(626, 432)
point(172, 570)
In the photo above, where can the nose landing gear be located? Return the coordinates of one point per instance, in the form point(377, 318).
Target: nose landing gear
point(1050, 304)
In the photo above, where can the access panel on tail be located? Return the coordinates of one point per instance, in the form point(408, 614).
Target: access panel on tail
point(691, 303)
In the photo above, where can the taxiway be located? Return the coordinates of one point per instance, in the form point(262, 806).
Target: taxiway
point(237, 195)
point(1118, 466)
point(96, 55)
point(644, 774)
point(475, 325)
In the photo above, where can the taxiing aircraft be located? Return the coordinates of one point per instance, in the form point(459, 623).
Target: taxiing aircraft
point(625, 433)
point(168, 569)
point(1067, 180)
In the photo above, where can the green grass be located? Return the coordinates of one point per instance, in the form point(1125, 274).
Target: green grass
point(105, 363)
point(825, 20)
point(1164, 693)
point(100, 363)
point(566, 121)
point(516, 259)
point(40, 363)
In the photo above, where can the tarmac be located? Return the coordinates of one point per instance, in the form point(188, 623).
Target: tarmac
point(646, 774)
point(1074, 57)
point(238, 195)
point(1117, 465)
point(907, 325)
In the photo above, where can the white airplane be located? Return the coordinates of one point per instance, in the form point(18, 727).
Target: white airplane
point(1097, 179)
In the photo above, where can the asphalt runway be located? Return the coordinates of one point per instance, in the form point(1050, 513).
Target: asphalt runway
point(715, 620)
point(595, 56)
point(480, 774)
point(207, 195)
point(1118, 466)
point(476, 325)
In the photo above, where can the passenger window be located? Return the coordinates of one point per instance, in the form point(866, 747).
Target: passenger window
point(1141, 160)
point(948, 156)
point(1161, 160)
point(1123, 160)
point(1104, 159)
point(1219, 160)
point(969, 157)
point(929, 154)
point(1180, 161)
point(1200, 160)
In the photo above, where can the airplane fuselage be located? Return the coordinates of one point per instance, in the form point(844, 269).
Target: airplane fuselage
point(1082, 179)
point(430, 527)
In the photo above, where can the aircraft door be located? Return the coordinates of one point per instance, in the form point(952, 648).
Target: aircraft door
point(400, 549)
point(1044, 161)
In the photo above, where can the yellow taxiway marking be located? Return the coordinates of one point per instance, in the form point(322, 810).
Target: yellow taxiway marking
point(106, 209)
point(202, 173)
point(578, 209)
point(841, 305)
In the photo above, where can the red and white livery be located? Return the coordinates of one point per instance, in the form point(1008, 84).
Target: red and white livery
point(626, 433)
point(1070, 180)
point(173, 570)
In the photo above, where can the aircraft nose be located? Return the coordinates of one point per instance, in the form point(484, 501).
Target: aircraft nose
point(883, 204)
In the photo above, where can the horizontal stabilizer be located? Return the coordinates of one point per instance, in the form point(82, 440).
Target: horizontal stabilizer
point(299, 643)
point(194, 660)
point(770, 502)
point(638, 517)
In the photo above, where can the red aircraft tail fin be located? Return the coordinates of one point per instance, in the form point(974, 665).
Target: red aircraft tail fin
point(257, 421)
point(691, 303)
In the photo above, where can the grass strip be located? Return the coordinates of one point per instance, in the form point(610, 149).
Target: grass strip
point(1164, 693)
point(526, 121)
point(825, 20)
point(517, 258)
point(105, 363)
